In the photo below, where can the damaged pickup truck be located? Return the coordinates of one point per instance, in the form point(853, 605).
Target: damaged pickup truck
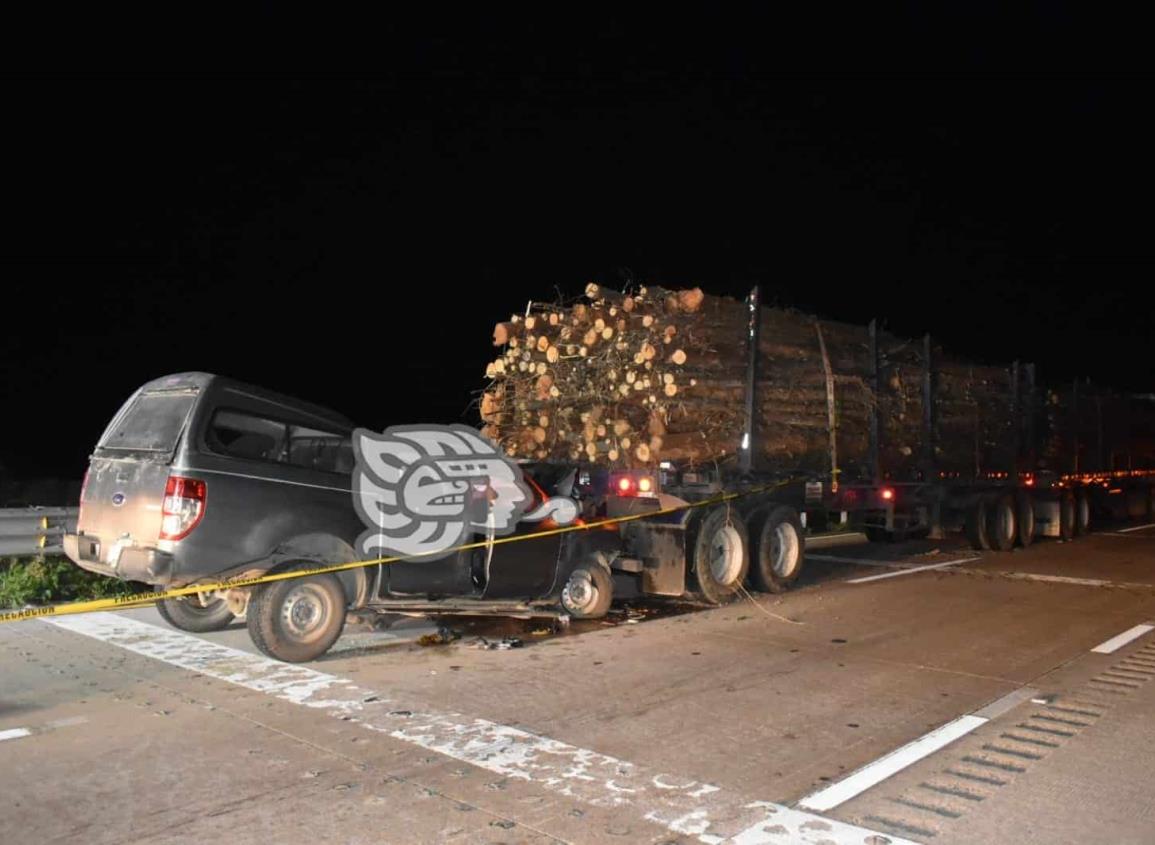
point(199, 479)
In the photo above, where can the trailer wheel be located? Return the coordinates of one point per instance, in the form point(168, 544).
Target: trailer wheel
point(776, 549)
point(1001, 522)
point(588, 592)
point(1025, 517)
point(1067, 516)
point(721, 554)
point(298, 619)
point(976, 524)
point(1082, 513)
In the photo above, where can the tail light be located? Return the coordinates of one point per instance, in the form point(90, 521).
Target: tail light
point(887, 494)
point(634, 484)
point(184, 505)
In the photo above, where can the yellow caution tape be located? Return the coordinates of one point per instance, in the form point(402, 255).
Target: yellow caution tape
point(134, 600)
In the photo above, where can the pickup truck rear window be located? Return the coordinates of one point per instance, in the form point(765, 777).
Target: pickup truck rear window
point(152, 424)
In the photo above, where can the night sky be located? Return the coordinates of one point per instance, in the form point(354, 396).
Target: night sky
point(270, 228)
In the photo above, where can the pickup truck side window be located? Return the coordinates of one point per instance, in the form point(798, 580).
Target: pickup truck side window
point(246, 436)
point(242, 435)
point(323, 450)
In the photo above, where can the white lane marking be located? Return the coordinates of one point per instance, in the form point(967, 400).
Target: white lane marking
point(874, 773)
point(857, 560)
point(1079, 582)
point(1007, 703)
point(14, 733)
point(912, 570)
point(692, 808)
point(1116, 643)
point(1135, 528)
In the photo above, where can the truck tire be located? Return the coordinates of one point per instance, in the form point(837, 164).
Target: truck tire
point(1001, 522)
point(1025, 518)
point(588, 592)
point(776, 549)
point(188, 614)
point(720, 554)
point(976, 525)
point(298, 619)
point(1067, 516)
point(1082, 513)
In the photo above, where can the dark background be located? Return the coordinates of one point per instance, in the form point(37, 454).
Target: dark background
point(351, 238)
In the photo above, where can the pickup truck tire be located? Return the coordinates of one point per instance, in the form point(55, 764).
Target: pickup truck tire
point(776, 549)
point(188, 614)
point(1082, 513)
point(1001, 521)
point(298, 619)
point(975, 526)
point(720, 554)
point(1025, 517)
point(588, 592)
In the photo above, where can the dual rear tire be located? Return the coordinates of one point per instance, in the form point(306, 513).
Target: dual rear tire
point(729, 549)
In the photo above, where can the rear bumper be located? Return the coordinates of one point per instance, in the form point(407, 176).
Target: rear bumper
point(129, 563)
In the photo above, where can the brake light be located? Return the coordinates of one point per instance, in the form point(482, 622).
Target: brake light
point(887, 493)
point(634, 484)
point(183, 507)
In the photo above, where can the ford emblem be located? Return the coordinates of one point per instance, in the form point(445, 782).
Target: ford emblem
point(118, 499)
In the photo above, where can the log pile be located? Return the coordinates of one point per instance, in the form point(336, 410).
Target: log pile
point(628, 380)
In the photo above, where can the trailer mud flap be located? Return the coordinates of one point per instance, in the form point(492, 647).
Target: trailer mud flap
point(662, 550)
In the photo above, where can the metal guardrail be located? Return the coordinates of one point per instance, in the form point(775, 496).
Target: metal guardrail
point(31, 531)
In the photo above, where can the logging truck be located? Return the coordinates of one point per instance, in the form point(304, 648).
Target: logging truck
point(670, 400)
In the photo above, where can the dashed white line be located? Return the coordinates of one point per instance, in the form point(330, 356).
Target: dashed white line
point(1117, 642)
point(911, 570)
point(14, 733)
point(874, 773)
point(858, 560)
point(1135, 528)
point(689, 807)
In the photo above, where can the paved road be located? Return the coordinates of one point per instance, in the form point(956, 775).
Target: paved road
point(903, 692)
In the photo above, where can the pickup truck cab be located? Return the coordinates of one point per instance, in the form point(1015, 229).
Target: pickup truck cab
point(200, 478)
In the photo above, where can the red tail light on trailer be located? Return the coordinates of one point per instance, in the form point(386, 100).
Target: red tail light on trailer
point(183, 508)
point(634, 484)
point(887, 494)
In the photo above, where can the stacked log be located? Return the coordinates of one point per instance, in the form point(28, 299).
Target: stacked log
point(630, 379)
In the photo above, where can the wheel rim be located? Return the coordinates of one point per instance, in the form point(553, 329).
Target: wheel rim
point(726, 555)
point(784, 550)
point(305, 611)
point(580, 593)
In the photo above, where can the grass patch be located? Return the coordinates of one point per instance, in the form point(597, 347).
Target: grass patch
point(46, 579)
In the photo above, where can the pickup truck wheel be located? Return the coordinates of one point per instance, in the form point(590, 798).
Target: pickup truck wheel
point(721, 554)
point(298, 619)
point(1025, 517)
point(776, 550)
point(1001, 522)
point(1067, 516)
point(1082, 513)
point(976, 525)
point(188, 614)
point(589, 592)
